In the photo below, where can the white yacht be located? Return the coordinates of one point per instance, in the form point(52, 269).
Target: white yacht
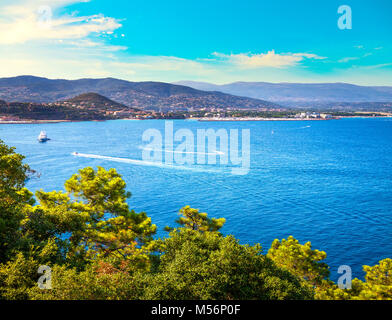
point(43, 137)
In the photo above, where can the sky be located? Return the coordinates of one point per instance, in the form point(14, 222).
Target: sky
point(218, 41)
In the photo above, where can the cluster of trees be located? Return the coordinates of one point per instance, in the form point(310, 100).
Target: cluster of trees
point(98, 248)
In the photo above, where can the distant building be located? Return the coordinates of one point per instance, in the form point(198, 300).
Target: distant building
point(123, 113)
point(302, 115)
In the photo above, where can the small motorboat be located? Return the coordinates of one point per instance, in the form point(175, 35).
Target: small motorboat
point(43, 137)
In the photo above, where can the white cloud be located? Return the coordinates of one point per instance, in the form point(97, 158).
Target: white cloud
point(270, 59)
point(72, 46)
point(92, 62)
point(344, 60)
point(377, 66)
point(89, 59)
point(28, 20)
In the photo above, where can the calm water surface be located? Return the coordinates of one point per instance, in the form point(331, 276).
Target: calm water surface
point(328, 182)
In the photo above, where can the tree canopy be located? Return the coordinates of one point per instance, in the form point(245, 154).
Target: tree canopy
point(98, 248)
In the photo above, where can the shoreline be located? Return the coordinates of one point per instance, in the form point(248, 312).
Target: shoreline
point(194, 119)
point(290, 119)
point(44, 121)
point(33, 121)
point(262, 119)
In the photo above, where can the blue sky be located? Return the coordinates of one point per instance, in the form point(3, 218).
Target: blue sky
point(215, 41)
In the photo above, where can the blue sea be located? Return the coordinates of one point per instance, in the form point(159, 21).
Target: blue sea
point(328, 182)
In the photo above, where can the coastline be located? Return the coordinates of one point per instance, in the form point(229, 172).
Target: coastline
point(33, 121)
point(43, 121)
point(193, 119)
point(263, 119)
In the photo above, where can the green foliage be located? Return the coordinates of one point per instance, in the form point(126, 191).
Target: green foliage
point(14, 199)
point(94, 283)
point(328, 290)
point(194, 220)
point(20, 274)
point(95, 214)
point(198, 265)
point(377, 285)
point(17, 276)
point(300, 260)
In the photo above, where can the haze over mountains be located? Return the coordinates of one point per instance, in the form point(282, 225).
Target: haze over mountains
point(189, 95)
point(294, 94)
point(140, 95)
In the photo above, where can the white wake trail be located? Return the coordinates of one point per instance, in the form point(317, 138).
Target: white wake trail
point(186, 152)
point(142, 162)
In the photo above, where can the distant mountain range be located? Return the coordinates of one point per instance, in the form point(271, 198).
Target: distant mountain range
point(139, 95)
point(188, 95)
point(296, 94)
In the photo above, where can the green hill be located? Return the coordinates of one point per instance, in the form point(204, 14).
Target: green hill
point(96, 101)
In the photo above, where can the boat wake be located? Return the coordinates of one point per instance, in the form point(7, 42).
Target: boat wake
point(145, 163)
point(185, 152)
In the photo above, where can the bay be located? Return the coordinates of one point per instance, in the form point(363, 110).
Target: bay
point(328, 182)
